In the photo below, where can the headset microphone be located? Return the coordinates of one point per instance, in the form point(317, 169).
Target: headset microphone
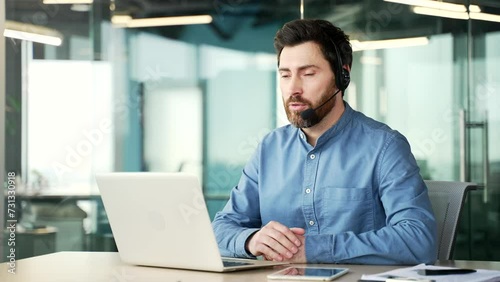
point(309, 115)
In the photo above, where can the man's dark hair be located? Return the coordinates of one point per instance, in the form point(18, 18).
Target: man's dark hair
point(322, 32)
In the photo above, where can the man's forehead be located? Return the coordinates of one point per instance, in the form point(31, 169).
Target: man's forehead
point(305, 55)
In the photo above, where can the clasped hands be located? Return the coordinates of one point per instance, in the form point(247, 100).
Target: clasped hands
point(277, 242)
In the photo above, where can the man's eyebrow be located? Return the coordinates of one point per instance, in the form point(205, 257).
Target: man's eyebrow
point(300, 68)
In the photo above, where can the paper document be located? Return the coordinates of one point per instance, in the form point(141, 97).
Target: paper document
point(482, 275)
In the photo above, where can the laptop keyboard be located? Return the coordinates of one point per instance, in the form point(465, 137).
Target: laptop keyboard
point(234, 263)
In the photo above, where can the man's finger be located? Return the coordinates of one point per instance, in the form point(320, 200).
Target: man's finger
point(292, 238)
point(269, 253)
point(276, 241)
point(298, 231)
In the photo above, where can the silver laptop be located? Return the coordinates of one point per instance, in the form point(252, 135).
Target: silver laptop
point(161, 219)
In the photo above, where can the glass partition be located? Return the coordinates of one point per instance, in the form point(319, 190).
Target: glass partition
point(58, 123)
point(439, 92)
point(482, 132)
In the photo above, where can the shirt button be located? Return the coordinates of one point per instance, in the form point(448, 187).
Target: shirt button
point(302, 135)
point(308, 190)
point(311, 222)
point(312, 156)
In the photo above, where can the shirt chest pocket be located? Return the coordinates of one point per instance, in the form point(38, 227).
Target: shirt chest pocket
point(344, 209)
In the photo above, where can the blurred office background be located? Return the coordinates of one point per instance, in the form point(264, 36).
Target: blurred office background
point(90, 87)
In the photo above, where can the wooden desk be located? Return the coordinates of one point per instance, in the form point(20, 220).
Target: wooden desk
point(107, 267)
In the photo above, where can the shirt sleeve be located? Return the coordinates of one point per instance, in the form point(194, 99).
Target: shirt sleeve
point(240, 218)
point(409, 236)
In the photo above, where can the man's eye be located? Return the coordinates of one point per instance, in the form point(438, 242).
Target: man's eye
point(285, 75)
point(309, 74)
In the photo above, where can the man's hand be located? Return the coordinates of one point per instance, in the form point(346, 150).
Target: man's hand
point(300, 256)
point(276, 242)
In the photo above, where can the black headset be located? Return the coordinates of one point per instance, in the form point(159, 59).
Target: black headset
point(342, 75)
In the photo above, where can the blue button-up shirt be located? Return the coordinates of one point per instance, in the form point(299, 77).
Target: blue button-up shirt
point(357, 193)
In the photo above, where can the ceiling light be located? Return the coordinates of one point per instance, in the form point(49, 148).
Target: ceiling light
point(432, 4)
point(474, 8)
point(390, 43)
point(456, 15)
point(68, 1)
point(448, 10)
point(80, 8)
point(127, 21)
point(485, 17)
point(120, 20)
point(35, 33)
point(440, 13)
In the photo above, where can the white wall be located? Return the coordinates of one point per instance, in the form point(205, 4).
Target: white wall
point(154, 58)
point(173, 129)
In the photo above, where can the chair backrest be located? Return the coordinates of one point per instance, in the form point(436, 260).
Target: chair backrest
point(447, 198)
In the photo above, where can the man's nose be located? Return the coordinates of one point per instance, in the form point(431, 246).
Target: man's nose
point(295, 86)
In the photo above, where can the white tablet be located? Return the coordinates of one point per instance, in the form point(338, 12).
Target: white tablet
point(321, 273)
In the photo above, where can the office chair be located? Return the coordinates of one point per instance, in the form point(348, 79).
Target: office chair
point(447, 198)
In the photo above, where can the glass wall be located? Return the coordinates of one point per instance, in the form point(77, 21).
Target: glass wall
point(440, 93)
point(482, 122)
point(198, 98)
point(58, 124)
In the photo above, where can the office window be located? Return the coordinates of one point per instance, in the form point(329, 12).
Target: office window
point(69, 124)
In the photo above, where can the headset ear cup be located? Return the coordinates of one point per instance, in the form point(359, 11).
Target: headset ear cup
point(346, 78)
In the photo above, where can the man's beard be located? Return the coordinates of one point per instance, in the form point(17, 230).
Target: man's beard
point(294, 116)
